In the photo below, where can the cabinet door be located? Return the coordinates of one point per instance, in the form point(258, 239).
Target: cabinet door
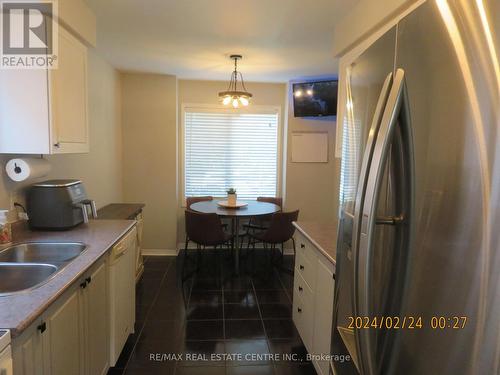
point(323, 313)
point(68, 96)
point(97, 324)
point(24, 112)
point(63, 346)
point(28, 354)
point(6, 362)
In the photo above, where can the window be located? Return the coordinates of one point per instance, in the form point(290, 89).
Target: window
point(224, 149)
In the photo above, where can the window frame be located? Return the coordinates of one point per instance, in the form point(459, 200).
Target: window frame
point(251, 109)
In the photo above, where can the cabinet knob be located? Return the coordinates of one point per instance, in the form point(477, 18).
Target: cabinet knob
point(42, 327)
point(88, 280)
point(300, 289)
point(57, 145)
point(83, 285)
point(301, 267)
point(302, 246)
point(299, 309)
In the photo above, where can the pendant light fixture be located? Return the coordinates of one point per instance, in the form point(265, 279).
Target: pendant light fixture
point(233, 96)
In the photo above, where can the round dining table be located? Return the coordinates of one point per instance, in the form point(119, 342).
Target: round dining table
point(252, 209)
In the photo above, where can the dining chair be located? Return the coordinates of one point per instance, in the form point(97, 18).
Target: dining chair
point(191, 200)
point(280, 230)
point(205, 230)
point(261, 223)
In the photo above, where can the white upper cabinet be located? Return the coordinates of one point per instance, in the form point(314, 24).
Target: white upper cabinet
point(45, 111)
point(68, 96)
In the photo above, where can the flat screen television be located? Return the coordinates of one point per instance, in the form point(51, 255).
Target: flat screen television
point(313, 99)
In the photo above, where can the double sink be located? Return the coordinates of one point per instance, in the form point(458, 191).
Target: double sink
point(26, 266)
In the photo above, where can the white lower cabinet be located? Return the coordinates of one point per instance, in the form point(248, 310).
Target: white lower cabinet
point(27, 352)
point(62, 337)
point(323, 314)
point(313, 301)
point(97, 344)
point(72, 336)
point(6, 361)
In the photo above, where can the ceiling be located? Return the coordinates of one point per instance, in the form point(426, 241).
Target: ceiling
point(280, 40)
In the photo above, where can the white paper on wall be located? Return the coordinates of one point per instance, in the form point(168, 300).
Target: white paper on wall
point(310, 147)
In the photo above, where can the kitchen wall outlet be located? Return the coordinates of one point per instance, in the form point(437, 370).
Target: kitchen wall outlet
point(15, 214)
point(14, 197)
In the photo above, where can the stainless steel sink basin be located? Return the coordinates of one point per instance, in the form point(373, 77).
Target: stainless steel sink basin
point(42, 252)
point(16, 277)
point(25, 266)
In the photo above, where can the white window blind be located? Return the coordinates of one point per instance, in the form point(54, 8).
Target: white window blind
point(225, 149)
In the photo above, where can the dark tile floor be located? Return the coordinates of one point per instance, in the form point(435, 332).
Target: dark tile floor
point(213, 322)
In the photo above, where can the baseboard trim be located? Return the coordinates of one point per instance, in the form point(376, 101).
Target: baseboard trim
point(159, 252)
point(289, 251)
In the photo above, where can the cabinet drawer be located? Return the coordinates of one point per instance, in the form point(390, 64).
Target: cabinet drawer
point(303, 317)
point(125, 242)
point(306, 248)
point(306, 269)
point(302, 289)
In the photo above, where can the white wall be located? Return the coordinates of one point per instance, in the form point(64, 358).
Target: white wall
point(149, 103)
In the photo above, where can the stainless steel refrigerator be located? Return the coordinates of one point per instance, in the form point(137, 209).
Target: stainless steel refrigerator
point(418, 258)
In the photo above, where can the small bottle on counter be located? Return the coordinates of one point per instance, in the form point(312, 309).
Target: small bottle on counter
point(5, 228)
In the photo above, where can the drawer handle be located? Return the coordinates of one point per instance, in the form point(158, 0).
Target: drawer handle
point(83, 285)
point(299, 310)
point(302, 246)
point(42, 327)
point(300, 289)
point(301, 267)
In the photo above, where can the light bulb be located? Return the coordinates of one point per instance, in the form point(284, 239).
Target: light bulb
point(244, 101)
point(235, 103)
point(226, 100)
point(309, 92)
point(298, 93)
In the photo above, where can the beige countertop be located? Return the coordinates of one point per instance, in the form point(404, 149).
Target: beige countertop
point(323, 236)
point(119, 211)
point(18, 311)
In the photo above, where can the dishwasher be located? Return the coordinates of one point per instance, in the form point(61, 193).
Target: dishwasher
point(5, 353)
point(122, 292)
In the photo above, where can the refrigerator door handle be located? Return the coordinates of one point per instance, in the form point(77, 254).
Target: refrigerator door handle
point(396, 113)
point(363, 178)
